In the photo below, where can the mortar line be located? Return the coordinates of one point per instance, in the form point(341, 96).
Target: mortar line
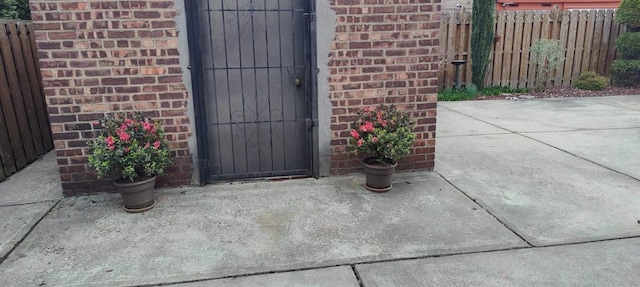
point(357, 274)
point(15, 246)
point(486, 210)
point(384, 261)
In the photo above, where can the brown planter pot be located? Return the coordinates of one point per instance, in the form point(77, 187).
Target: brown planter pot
point(378, 175)
point(137, 196)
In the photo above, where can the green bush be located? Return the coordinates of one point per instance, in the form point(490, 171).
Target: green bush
point(15, 9)
point(450, 94)
point(8, 9)
point(472, 91)
point(546, 56)
point(629, 14)
point(24, 12)
point(482, 36)
point(628, 45)
point(626, 72)
point(590, 80)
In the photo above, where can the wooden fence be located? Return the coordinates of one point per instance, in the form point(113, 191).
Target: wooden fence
point(587, 38)
point(25, 133)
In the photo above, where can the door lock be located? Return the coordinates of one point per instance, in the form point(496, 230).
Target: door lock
point(298, 82)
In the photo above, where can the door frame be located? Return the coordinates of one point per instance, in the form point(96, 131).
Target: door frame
point(196, 68)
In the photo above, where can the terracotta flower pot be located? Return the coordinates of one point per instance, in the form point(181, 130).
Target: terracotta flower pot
point(137, 196)
point(378, 175)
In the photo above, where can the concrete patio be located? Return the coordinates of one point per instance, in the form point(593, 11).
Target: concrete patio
point(525, 193)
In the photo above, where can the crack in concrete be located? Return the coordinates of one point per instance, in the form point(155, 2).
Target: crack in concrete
point(523, 134)
point(596, 100)
point(485, 209)
point(28, 203)
point(28, 232)
point(580, 157)
point(355, 272)
point(353, 264)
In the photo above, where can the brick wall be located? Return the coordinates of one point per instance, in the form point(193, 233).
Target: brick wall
point(384, 52)
point(110, 56)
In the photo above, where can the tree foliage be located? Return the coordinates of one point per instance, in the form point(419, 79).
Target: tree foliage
point(15, 9)
point(628, 45)
point(629, 14)
point(482, 35)
point(625, 71)
point(8, 9)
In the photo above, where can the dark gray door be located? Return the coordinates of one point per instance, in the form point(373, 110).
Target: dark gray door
point(255, 57)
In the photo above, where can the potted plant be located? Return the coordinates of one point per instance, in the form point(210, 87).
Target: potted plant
point(132, 150)
point(383, 135)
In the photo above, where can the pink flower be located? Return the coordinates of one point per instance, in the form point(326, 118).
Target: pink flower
point(360, 142)
point(110, 142)
point(147, 126)
point(127, 149)
point(156, 144)
point(124, 136)
point(367, 127)
point(383, 123)
point(366, 109)
point(374, 139)
point(355, 134)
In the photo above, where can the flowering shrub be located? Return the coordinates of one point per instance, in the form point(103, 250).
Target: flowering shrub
point(129, 146)
point(384, 133)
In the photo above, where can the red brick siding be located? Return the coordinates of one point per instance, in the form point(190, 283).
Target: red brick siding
point(110, 56)
point(385, 51)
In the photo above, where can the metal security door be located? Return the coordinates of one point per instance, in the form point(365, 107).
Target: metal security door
point(256, 84)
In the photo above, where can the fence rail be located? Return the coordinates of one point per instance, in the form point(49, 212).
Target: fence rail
point(587, 38)
point(25, 133)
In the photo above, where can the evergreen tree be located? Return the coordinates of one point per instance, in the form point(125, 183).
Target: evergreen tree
point(625, 70)
point(8, 9)
point(629, 14)
point(24, 12)
point(482, 34)
point(15, 9)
